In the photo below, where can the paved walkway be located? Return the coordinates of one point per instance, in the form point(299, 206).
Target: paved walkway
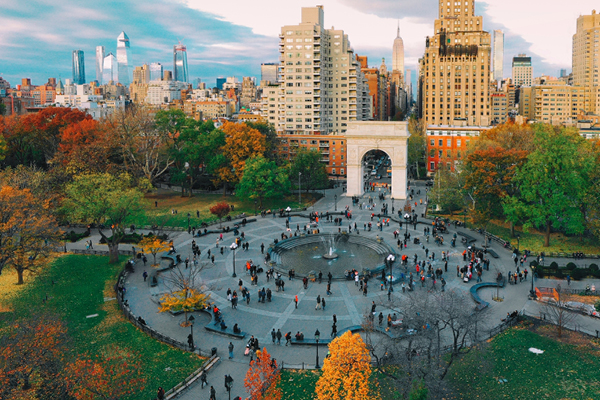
point(346, 301)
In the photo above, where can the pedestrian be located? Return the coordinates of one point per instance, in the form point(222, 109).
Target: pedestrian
point(334, 319)
point(328, 289)
point(262, 248)
point(145, 275)
point(333, 330)
point(160, 395)
point(373, 307)
point(213, 393)
point(380, 318)
point(318, 305)
point(230, 347)
point(457, 271)
point(288, 338)
point(568, 280)
point(323, 303)
point(248, 297)
point(203, 379)
point(279, 337)
point(273, 335)
point(365, 291)
point(296, 300)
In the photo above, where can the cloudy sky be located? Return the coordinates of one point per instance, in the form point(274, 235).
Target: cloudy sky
point(233, 37)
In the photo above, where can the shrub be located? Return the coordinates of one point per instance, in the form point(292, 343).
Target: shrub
point(579, 273)
point(594, 267)
point(75, 237)
point(553, 265)
point(540, 271)
point(533, 263)
point(597, 305)
point(571, 266)
point(559, 274)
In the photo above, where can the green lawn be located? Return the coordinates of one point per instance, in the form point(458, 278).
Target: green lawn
point(76, 286)
point(563, 371)
point(298, 384)
point(168, 200)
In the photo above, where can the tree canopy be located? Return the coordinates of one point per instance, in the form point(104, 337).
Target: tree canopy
point(262, 179)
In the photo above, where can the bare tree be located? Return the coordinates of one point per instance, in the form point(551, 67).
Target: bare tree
point(556, 308)
point(186, 290)
point(437, 328)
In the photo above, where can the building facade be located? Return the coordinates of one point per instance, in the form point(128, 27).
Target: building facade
point(156, 71)
point(109, 69)
point(269, 73)
point(447, 145)
point(398, 53)
point(454, 75)
point(586, 54)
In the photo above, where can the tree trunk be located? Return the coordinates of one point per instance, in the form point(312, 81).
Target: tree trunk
point(113, 253)
point(19, 276)
point(547, 235)
point(512, 229)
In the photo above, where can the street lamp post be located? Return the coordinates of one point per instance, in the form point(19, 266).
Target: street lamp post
point(393, 205)
point(299, 190)
point(518, 242)
point(406, 218)
point(191, 319)
point(317, 334)
point(255, 201)
point(233, 247)
point(532, 291)
point(188, 221)
point(335, 199)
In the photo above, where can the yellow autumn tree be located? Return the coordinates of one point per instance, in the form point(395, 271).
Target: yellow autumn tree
point(186, 291)
point(153, 245)
point(346, 371)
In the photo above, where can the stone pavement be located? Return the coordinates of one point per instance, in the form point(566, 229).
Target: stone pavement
point(346, 301)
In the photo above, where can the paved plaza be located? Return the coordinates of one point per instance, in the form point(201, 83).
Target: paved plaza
point(346, 301)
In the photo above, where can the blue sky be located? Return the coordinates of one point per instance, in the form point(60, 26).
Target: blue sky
point(233, 37)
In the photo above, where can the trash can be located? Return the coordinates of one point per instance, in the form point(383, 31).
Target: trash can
point(213, 351)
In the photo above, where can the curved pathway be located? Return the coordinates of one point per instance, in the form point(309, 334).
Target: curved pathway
point(346, 301)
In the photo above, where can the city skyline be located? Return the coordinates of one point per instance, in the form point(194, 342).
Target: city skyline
point(233, 41)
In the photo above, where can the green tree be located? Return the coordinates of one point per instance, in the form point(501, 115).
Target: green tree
point(271, 139)
point(417, 147)
point(553, 182)
point(447, 190)
point(308, 163)
point(2, 109)
point(104, 199)
point(262, 179)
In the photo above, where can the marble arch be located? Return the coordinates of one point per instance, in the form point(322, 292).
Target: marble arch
point(390, 137)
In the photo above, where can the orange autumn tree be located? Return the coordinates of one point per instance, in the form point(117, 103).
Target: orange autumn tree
point(263, 377)
point(241, 143)
point(347, 370)
point(112, 375)
point(32, 358)
point(28, 231)
point(153, 245)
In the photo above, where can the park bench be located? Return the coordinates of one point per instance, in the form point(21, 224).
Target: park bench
point(214, 327)
point(470, 239)
point(481, 304)
point(492, 253)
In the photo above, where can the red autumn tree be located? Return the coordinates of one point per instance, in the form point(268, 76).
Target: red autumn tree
point(220, 210)
point(110, 376)
point(262, 378)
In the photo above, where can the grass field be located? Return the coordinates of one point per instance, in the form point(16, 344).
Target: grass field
point(563, 371)
point(76, 286)
point(167, 201)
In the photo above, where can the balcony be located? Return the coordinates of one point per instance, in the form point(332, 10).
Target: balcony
point(324, 145)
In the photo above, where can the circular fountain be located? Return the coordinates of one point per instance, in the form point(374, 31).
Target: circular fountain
point(330, 253)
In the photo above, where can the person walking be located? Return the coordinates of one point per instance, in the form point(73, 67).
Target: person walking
point(333, 330)
point(323, 303)
point(279, 337)
point(230, 347)
point(329, 289)
point(318, 305)
point(203, 379)
point(273, 335)
point(296, 301)
point(213, 393)
point(145, 275)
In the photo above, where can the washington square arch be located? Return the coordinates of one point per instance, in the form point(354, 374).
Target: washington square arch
point(389, 137)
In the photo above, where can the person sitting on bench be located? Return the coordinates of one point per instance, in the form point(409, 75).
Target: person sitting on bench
point(299, 336)
point(236, 329)
point(223, 326)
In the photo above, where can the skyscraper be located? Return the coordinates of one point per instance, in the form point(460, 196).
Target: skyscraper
point(321, 87)
point(78, 67)
point(123, 59)
point(398, 53)
point(141, 75)
point(455, 69)
point(522, 71)
point(586, 55)
point(498, 55)
point(109, 69)
point(99, 63)
point(180, 65)
point(156, 71)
